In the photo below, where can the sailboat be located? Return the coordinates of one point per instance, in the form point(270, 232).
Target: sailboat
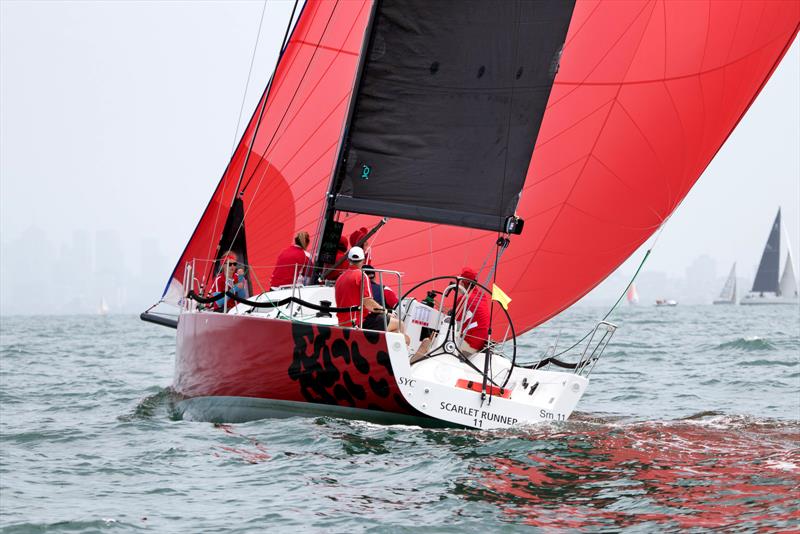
point(531, 141)
point(666, 303)
point(728, 293)
point(103, 309)
point(768, 287)
point(632, 295)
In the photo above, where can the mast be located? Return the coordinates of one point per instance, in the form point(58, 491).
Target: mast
point(330, 210)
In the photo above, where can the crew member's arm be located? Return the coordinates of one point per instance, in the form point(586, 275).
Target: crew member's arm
point(372, 306)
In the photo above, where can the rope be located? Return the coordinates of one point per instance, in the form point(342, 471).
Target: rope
point(552, 359)
point(271, 304)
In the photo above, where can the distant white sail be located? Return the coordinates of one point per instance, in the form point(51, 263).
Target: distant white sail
point(788, 281)
point(103, 308)
point(728, 294)
point(633, 295)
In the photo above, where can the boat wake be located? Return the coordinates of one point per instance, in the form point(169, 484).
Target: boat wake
point(709, 470)
point(160, 404)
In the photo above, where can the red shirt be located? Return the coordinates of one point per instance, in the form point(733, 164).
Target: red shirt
point(219, 287)
point(333, 275)
point(477, 326)
point(293, 259)
point(390, 299)
point(219, 283)
point(350, 287)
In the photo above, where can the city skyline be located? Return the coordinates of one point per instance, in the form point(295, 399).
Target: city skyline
point(97, 269)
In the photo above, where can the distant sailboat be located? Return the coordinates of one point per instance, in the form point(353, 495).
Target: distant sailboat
point(728, 294)
point(666, 302)
point(103, 308)
point(788, 285)
point(632, 295)
point(769, 287)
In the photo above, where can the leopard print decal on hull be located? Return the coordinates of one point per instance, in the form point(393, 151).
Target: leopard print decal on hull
point(345, 367)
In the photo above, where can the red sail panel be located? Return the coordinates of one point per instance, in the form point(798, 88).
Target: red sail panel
point(291, 159)
point(646, 94)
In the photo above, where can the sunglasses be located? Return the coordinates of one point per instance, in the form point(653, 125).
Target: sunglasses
point(232, 264)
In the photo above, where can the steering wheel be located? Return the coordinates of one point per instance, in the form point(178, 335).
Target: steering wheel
point(450, 345)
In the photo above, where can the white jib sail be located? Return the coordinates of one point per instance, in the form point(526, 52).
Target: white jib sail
point(729, 289)
point(788, 281)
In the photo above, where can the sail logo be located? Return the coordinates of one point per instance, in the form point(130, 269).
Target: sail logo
point(365, 170)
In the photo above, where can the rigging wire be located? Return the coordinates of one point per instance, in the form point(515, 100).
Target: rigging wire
point(624, 292)
point(247, 83)
point(283, 117)
point(264, 96)
point(264, 104)
point(291, 100)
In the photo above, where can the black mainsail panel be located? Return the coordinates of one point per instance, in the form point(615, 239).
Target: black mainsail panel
point(448, 109)
point(769, 267)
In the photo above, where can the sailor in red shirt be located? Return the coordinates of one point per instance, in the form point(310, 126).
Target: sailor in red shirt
point(341, 252)
point(292, 261)
point(353, 289)
point(383, 294)
point(226, 280)
point(356, 236)
point(476, 306)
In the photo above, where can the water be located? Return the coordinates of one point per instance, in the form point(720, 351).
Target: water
point(691, 421)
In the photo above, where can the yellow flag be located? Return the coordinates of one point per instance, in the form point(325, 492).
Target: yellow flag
point(500, 296)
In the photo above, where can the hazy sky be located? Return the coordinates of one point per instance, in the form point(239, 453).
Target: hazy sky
point(122, 116)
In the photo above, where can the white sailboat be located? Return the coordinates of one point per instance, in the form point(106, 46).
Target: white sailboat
point(103, 308)
point(632, 295)
point(788, 285)
point(728, 293)
point(768, 287)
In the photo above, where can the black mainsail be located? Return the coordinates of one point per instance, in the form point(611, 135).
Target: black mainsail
point(448, 108)
point(769, 267)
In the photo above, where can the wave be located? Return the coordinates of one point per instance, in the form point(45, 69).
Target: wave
point(759, 363)
point(160, 404)
point(747, 344)
point(96, 525)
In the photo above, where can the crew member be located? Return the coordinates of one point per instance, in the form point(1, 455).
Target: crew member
point(293, 261)
point(227, 280)
point(383, 294)
point(353, 289)
point(341, 252)
point(358, 235)
point(474, 306)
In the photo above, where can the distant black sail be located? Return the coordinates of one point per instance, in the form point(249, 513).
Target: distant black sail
point(448, 108)
point(769, 267)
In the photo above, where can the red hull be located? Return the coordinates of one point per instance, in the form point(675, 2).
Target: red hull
point(241, 356)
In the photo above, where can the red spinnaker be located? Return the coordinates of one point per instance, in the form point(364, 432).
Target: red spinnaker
point(292, 158)
point(647, 92)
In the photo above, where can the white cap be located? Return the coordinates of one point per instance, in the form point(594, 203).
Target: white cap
point(356, 254)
